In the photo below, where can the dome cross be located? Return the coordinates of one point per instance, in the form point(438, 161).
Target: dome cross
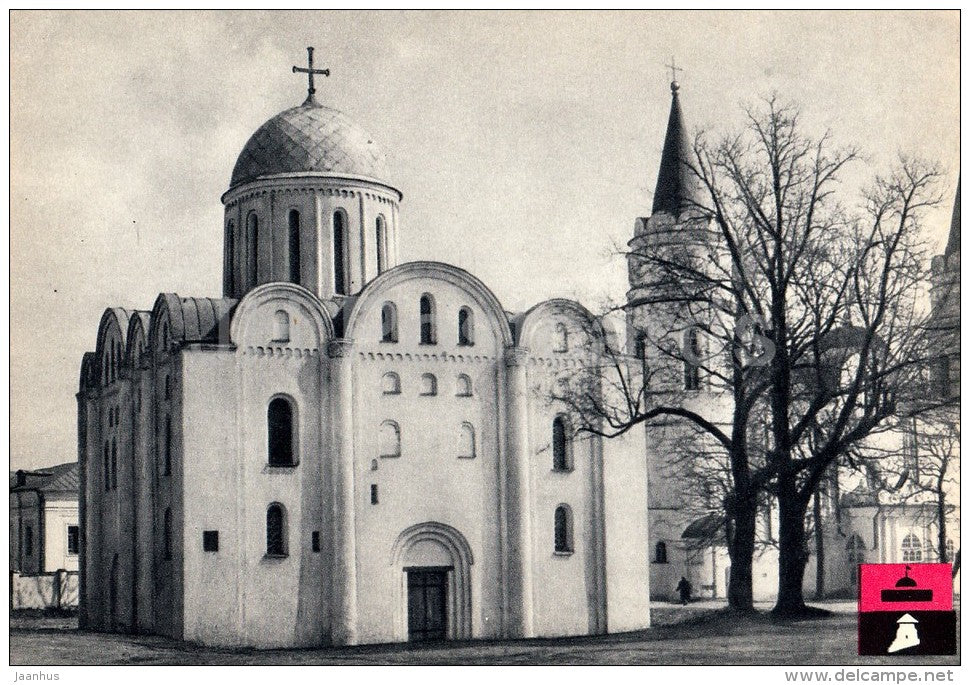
point(673, 73)
point(310, 71)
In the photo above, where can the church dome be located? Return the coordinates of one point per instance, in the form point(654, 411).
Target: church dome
point(310, 138)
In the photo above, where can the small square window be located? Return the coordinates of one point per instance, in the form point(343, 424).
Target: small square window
point(73, 540)
point(210, 541)
point(315, 541)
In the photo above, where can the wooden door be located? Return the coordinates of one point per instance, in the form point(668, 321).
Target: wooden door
point(427, 604)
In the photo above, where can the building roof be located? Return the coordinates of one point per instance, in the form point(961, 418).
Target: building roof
point(676, 183)
point(59, 478)
point(953, 243)
point(309, 138)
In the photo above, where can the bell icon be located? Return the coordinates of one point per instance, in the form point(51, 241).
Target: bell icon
point(906, 635)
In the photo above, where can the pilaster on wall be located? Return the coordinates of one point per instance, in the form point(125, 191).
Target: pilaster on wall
point(344, 621)
point(519, 494)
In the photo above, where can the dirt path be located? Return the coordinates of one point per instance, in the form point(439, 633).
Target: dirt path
point(697, 635)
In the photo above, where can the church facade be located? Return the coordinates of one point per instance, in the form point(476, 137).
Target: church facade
point(344, 448)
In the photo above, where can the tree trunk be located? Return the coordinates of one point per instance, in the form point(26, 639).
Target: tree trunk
point(819, 548)
point(791, 553)
point(741, 551)
point(941, 524)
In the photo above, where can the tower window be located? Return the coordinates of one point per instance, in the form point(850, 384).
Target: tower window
point(373, 493)
point(168, 388)
point(429, 384)
point(389, 322)
point(279, 420)
point(252, 250)
point(660, 553)
point(561, 457)
point(107, 466)
point(315, 541)
point(390, 440)
point(341, 278)
point(564, 529)
point(692, 377)
point(391, 383)
point(281, 326)
point(429, 334)
point(466, 326)
point(464, 386)
point(294, 245)
point(466, 441)
point(276, 530)
point(381, 245)
point(561, 340)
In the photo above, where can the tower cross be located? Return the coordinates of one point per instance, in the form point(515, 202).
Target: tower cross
point(673, 69)
point(310, 71)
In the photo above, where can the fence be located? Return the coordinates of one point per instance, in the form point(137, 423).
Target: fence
point(57, 590)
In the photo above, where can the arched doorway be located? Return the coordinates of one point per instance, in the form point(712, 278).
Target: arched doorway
point(432, 562)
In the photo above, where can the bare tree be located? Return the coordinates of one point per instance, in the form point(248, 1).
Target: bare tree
point(776, 303)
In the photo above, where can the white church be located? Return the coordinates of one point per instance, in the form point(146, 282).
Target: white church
point(343, 448)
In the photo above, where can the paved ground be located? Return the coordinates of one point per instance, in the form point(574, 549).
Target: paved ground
point(698, 634)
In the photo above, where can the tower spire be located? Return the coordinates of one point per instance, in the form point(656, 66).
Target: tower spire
point(953, 243)
point(676, 185)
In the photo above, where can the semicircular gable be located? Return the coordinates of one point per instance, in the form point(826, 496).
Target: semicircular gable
point(250, 312)
point(89, 371)
point(529, 323)
point(373, 294)
point(137, 336)
point(190, 319)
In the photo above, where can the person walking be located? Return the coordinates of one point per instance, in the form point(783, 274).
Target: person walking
point(684, 588)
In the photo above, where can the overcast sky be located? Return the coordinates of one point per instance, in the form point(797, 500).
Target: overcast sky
point(526, 144)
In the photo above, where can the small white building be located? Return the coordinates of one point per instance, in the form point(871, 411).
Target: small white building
point(343, 448)
point(44, 533)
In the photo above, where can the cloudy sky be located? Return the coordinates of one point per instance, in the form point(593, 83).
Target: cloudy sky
point(525, 143)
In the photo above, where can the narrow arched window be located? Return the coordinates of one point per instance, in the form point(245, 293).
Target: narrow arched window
point(167, 534)
point(429, 384)
point(252, 250)
point(294, 245)
point(341, 279)
point(230, 257)
point(561, 457)
point(389, 322)
point(466, 326)
point(466, 441)
point(281, 326)
point(114, 463)
point(561, 341)
point(107, 466)
point(117, 345)
point(464, 386)
point(279, 419)
point(912, 548)
point(168, 388)
point(660, 553)
point(381, 245)
point(564, 529)
point(391, 383)
point(429, 335)
point(276, 530)
point(692, 376)
point(390, 440)
point(168, 446)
